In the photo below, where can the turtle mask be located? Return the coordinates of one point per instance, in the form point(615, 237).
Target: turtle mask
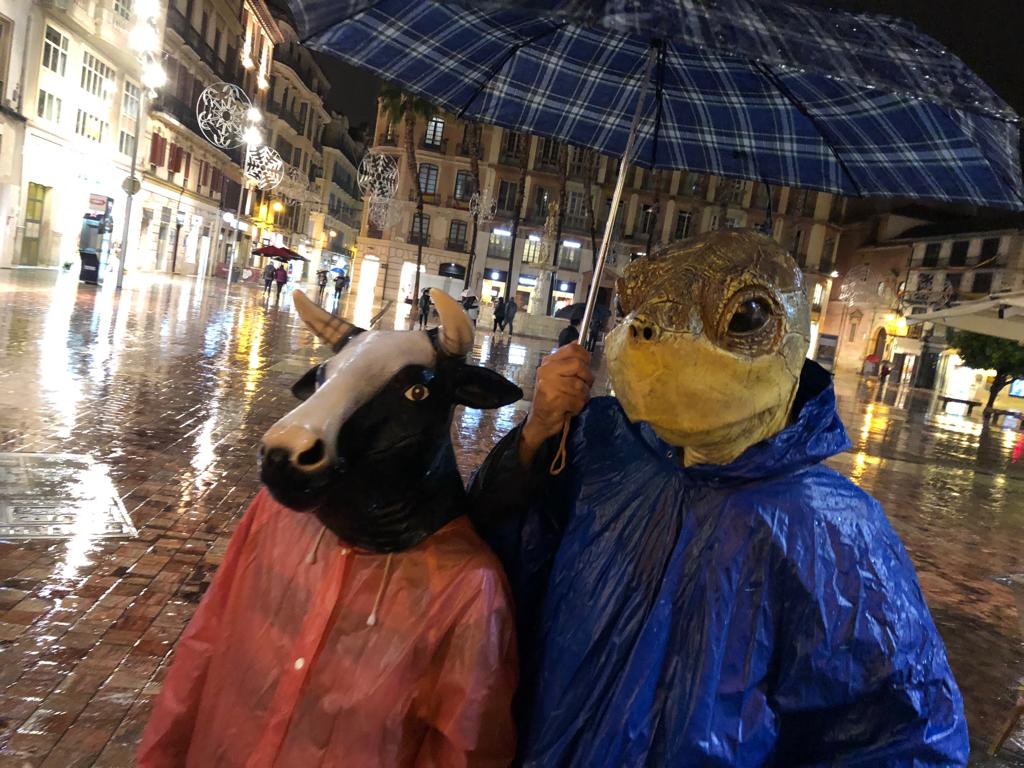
point(715, 336)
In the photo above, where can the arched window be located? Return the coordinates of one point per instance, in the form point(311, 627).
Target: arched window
point(428, 179)
point(435, 132)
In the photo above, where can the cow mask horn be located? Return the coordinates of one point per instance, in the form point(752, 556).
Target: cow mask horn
point(329, 328)
point(455, 336)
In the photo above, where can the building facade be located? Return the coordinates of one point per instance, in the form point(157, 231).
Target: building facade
point(336, 224)
point(80, 82)
point(656, 208)
point(16, 20)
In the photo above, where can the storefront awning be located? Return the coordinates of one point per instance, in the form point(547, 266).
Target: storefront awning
point(1001, 316)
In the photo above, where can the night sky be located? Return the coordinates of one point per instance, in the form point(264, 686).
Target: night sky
point(986, 34)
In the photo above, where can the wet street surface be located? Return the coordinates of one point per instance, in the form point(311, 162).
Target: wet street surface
point(159, 397)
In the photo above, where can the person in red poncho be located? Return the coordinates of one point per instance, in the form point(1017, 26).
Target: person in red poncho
point(357, 619)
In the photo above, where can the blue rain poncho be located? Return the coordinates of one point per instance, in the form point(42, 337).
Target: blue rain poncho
point(761, 612)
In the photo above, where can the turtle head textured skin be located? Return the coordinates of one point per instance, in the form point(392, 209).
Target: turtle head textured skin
point(715, 335)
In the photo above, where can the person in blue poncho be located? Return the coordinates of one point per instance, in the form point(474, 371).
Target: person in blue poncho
point(696, 588)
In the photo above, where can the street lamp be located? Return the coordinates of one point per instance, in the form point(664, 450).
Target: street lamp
point(252, 138)
point(145, 42)
point(179, 218)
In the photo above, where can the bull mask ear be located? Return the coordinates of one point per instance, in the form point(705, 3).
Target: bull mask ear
point(455, 336)
point(329, 328)
point(479, 387)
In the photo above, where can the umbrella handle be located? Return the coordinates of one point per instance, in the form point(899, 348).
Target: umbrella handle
point(558, 463)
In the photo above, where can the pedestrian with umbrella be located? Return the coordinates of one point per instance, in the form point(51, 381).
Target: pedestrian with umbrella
point(618, 571)
point(280, 279)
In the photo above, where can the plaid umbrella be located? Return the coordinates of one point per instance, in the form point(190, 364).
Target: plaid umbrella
point(757, 89)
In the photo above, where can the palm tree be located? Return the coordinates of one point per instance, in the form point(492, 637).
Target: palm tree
point(401, 107)
point(563, 177)
point(474, 137)
point(589, 164)
point(524, 159)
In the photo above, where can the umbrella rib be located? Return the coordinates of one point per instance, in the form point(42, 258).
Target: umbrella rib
point(504, 60)
point(777, 82)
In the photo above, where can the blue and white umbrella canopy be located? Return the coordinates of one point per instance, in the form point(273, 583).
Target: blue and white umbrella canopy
point(755, 89)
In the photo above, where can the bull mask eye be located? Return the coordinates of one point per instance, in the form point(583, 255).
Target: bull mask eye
point(417, 392)
point(750, 316)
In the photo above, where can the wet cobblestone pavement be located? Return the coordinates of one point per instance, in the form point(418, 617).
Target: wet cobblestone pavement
point(169, 388)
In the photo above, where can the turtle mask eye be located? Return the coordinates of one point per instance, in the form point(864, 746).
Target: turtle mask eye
point(750, 316)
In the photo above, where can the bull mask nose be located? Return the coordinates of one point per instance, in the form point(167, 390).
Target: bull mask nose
point(294, 447)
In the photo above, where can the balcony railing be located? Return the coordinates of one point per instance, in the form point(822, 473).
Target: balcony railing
point(434, 146)
point(497, 251)
point(455, 245)
point(375, 232)
point(511, 157)
point(463, 149)
point(459, 203)
point(178, 109)
point(415, 238)
point(575, 223)
point(387, 140)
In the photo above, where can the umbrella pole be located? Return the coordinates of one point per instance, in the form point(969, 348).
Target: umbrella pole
point(558, 463)
point(620, 182)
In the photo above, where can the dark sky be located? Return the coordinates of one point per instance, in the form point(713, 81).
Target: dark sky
point(986, 34)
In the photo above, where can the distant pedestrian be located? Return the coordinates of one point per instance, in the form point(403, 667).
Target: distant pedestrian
point(321, 282)
point(339, 286)
point(570, 333)
point(280, 278)
point(883, 373)
point(499, 316)
point(511, 308)
point(471, 305)
point(424, 307)
point(268, 277)
point(596, 329)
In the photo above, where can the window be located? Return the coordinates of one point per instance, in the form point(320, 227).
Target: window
point(464, 185)
point(989, 246)
point(55, 51)
point(90, 126)
point(498, 245)
point(540, 203)
point(954, 281)
point(428, 179)
point(931, 255)
point(547, 153)
point(647, 219)
point(5, 44)
point(511, 146)
point(682, 225)
point(827, 252)
point(435, 131)
point(97, 77)
point(507, 196)
point(123, 8)
point(130, 100)
point(48, 107)
point(126, 144)
point(958, 256)
point(420, 231)
point(925, 282)
point(982, 282)
point(533, 251)
point(457, 234)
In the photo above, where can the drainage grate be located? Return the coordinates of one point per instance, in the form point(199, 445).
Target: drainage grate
point(58, 496)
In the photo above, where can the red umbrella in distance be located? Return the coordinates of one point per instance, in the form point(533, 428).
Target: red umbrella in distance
point(279, 253)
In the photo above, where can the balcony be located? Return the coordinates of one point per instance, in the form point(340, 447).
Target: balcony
point(387, 140)
point(375, 232)
point(463, 149)
point(511, 157)
point(415, 238)
point(441, 147)
point(546, 165)
point(458, 246)
point(458, 203)
point(179, 110)
point(575, 224)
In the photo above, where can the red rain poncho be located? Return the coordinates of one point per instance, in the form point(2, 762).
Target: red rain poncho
point(307, 653)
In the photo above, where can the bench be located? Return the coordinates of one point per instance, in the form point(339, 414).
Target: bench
point(1001, 413)
point(971, 404)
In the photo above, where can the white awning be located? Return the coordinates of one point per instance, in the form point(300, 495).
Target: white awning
point(1001, 316)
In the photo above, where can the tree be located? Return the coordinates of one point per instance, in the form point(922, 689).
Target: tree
point(523, 142)
point(474, 137)
point(404, 108)
point(559, 211)
point(1003, 356)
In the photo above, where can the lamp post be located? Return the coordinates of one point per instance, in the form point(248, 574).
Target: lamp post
point(145, 41)
point(179, 220)
point(251, 139)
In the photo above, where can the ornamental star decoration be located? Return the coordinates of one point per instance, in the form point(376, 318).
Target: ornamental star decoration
point(221, 112)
